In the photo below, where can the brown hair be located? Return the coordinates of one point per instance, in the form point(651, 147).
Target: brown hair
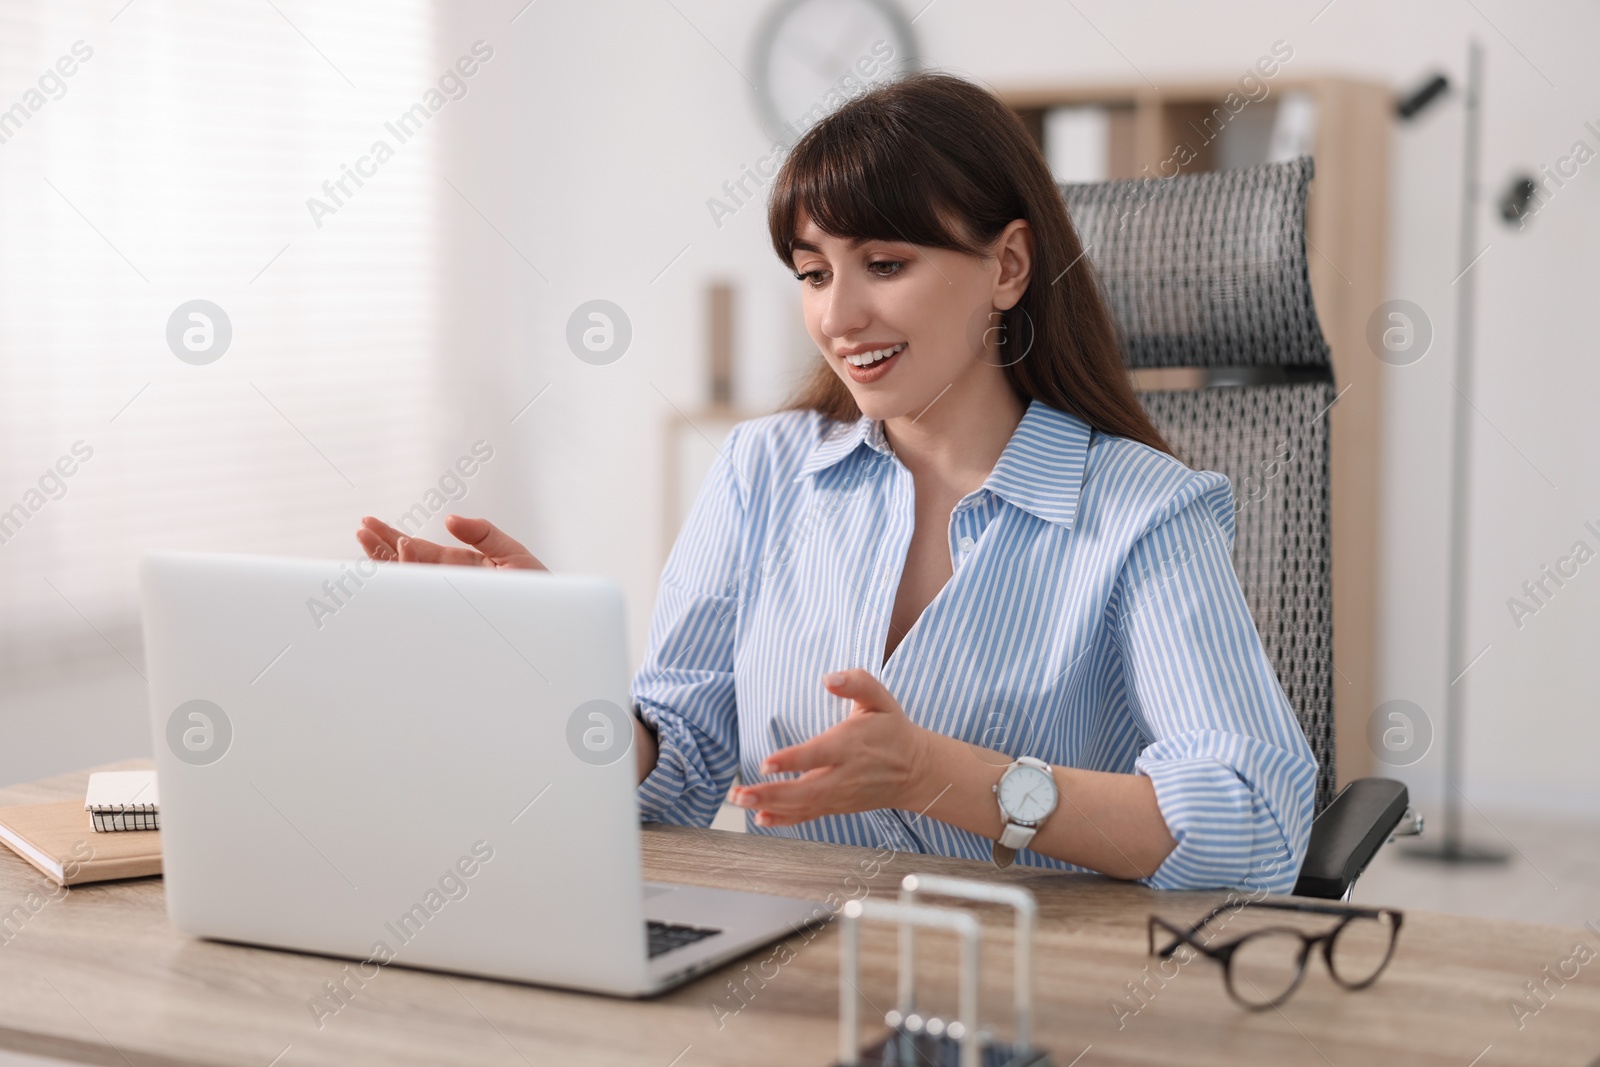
point(897, 161)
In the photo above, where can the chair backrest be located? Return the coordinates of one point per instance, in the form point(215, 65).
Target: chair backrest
point(1209, 271)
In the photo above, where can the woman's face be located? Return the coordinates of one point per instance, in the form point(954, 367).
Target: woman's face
point(931, 314)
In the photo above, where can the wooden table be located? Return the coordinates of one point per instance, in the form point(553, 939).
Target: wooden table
point(100, 976)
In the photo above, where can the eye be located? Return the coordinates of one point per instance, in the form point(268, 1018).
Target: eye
point(890, 267)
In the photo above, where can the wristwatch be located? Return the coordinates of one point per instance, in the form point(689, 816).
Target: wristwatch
point(1027, 794)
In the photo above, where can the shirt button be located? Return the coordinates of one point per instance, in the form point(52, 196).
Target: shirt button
point(966, 544)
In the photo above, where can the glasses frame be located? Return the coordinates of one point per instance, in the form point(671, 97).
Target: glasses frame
point(1224, 952)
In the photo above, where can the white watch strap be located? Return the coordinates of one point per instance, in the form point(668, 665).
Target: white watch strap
point(1012, 839)
point(1016, 837)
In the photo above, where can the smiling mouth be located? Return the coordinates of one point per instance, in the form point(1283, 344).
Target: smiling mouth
point(867, 359)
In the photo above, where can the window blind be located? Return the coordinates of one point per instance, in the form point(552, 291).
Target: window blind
point(156, 154)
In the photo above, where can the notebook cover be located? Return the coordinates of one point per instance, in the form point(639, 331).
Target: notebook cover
point(62, 833)
point(113, 791)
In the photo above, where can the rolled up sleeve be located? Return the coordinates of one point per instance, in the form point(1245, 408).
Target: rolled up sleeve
point(684, 688)
point(1233, 775)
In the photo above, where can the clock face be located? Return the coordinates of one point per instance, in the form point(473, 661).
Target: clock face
point(813, 55)
point(1027, 794)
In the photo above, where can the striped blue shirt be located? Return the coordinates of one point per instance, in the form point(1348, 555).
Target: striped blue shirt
point(1093, 619)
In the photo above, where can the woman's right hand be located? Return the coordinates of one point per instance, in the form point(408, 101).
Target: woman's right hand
point(487, 546)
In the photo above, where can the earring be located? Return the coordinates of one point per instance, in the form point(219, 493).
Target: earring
point(989, 331)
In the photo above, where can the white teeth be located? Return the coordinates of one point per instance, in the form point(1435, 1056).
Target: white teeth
point(866, 359)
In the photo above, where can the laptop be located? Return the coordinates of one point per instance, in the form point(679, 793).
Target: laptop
point(422, 765)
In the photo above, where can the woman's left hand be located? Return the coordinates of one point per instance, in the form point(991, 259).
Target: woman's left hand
point(875, 758)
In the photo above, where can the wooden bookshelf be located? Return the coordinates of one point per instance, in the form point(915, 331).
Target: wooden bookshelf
point(1346, 226)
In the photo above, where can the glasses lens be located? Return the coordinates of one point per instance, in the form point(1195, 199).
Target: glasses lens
point(1265, 966)
point(1361, 949)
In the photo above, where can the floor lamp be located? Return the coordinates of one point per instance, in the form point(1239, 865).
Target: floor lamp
point(1450, 847)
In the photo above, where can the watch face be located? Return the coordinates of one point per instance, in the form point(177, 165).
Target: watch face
point(1027, 794)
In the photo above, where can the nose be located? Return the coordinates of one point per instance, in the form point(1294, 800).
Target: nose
point(846, 308)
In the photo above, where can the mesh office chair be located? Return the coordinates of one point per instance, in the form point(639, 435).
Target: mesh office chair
point(1209, 271)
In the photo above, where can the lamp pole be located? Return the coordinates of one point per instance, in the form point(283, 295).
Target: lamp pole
point(1451, 848)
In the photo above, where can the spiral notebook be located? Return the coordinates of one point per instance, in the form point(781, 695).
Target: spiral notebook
point(123, 800)
point(54, 839)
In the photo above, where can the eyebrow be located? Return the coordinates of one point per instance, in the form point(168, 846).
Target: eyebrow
point(806, 246)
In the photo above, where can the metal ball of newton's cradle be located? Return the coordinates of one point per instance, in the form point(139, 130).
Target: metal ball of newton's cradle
point(915, 1024)
point(913, 1038)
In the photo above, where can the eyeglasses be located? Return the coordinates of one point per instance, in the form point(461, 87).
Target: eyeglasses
point(1262, 967)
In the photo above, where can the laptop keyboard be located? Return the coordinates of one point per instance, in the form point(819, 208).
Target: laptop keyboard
point(664, 937)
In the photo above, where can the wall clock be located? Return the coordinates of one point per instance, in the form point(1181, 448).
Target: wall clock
point(813, 55)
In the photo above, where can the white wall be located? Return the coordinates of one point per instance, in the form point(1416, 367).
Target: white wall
point(595, 152)
point(623, 118)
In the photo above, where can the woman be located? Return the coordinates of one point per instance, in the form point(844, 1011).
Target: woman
point(959, 596)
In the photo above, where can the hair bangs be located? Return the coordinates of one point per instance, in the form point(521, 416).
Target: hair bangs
point(865, 180)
